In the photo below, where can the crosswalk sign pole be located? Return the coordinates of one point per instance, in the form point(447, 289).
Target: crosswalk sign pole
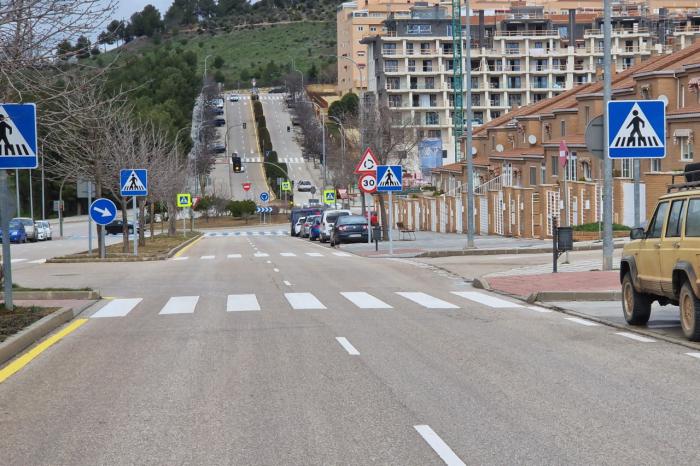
point(5, 223)
point(391, 223)
point(136, 236)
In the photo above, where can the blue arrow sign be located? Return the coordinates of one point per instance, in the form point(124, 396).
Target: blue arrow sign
point(18, 146)
point(103, 211)
point(389, 178)
point(637, 129)
point(263, 210)
point(134, 182)
point(264, 196)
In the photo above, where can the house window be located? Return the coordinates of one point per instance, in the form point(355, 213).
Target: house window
point(495, 114)
point(533, 176)
point(430, 83)
point(515, 100)
point(586, 169)
point(434, 133)
point(394, 101)
point(555, 165)
point(627, 168)
point(418, 29)
point(686, 148)
point(427, 65)
point(373, 28)
point(411, 65)
point(493, 143)
point(563, 128)
point(432, 118)
point(543, 172)
point(587, 109)
point(571, 167)
point(360, 28)
point(360, 54)
point(391, 66)
point(393, 83)
point(655, 165)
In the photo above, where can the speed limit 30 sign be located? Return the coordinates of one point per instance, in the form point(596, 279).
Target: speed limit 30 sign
point(368, 183)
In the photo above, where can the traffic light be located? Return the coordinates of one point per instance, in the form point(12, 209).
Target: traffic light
point(244, 125)
point(236, 161)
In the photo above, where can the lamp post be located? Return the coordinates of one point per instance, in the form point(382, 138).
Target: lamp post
point(294, 67)
point(323, 140)
point(342, 142)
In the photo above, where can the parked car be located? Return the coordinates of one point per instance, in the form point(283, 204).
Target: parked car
point(328, 220)
point(299, 225)
point(301, 212)
point(308, 224)
point(44, 230)
point(18, 234)
point(234, 98)
point(220, 121)
point(315, 228)
point(29, 228)
point(661, 263)
point(277, 90)
point(349, 228)
point(219, 111)
point(296, 121)
point(304, 185)
point(218, 148)
point(117, 228)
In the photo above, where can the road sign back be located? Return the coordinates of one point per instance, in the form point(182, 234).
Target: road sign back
point(18, 146)
point(134, 182)
point(637, 129)
point(389, 178)
point(368, 163)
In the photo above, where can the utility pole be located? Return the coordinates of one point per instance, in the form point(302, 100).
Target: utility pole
point(607, 162)
point(468, 148)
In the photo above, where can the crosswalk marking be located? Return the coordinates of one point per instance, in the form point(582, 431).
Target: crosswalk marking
point(117, 308)
point(207, 258)
point(486, 300)
point(181, 258)
point(261, 254)
point(292, 160)
point(38, 261)
point(300, 301)
point(251, 159)
point(365, 300)
point(16, 261)
point(342, 254)
point(426, 300)
point(242, 302)
point(180, 305)
point(233, 256)
point(287, 254)
point(314, 254)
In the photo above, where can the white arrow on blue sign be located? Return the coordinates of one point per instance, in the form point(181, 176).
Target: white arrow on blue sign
point(264, 196)
point(18, 146)
point(103, 211)
point(637, 129)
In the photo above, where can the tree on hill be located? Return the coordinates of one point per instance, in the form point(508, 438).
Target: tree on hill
point(146, 22)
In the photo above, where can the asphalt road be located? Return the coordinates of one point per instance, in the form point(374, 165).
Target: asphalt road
point(286, 143)
point(408, 373)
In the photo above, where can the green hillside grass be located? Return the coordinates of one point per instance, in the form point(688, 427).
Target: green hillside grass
point(248, 52)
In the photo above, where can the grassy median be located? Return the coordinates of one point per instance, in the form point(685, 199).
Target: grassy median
point(13, 321)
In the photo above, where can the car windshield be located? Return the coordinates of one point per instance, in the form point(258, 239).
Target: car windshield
point(27, 222)
point(15, 224)
point(352, 220)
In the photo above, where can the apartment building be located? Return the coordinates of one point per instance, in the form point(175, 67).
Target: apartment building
point(518, 58)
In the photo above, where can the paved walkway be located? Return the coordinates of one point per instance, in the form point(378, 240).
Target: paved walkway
point(524, 285)
point(575, 266)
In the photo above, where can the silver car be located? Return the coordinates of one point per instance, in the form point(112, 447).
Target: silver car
point(29, 227)
point(44, 232)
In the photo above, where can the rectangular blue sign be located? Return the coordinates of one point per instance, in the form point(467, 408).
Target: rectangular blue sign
point(18, 140)
point(637, 129)
point(389, 178)
point(134, 182)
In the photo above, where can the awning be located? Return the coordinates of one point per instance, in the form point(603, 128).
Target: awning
point(681, 133)
point(694, 84)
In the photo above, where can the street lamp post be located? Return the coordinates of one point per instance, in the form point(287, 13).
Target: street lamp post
point(302, 77)
point(342, 142)
point(323, 140)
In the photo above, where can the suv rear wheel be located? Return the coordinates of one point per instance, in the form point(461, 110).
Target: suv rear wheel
point(636, 306)
point(690, 312)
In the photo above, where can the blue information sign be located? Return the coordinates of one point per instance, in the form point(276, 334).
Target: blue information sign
point(264, 196)
point(134, 182)
point(637, 129)
point(389, 178)
point(103, 211)
point(18, 146)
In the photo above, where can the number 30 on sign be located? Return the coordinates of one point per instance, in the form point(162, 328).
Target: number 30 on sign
point(368, 183)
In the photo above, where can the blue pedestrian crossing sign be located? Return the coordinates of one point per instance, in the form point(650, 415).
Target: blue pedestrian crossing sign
point(637, 129)
point(389, 178)
point(18, 146)
point(134, 182)
point(103, 211)
point(264, 196)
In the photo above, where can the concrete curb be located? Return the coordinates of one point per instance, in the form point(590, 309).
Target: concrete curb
point(544, 296)
point(494, 252)
point(482, 284)
point(54, 294)
point(22, 340)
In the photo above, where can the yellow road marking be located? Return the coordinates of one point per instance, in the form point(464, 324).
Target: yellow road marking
point(183, 250)
point(26, 358)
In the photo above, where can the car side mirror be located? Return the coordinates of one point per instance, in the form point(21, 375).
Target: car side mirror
point(637, 233)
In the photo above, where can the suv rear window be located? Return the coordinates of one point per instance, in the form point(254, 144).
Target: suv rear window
point(673, 229)
point(692, 221)
point(657, 222)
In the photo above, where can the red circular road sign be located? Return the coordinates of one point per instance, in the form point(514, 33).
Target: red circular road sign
point(246, 186)
point(368, 183)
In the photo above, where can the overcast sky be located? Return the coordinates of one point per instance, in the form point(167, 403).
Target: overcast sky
point(125, 8)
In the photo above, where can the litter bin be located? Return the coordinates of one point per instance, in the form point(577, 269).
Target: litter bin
point(565, 239)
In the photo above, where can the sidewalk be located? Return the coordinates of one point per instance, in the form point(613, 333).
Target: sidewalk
point(585, 285)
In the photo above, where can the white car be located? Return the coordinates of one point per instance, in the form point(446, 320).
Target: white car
point(304, 185)
point(43, 230)
point(234, 98)
point(328, 220)
point(299, 225)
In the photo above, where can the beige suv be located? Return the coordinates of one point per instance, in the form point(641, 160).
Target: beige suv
point(663, 263)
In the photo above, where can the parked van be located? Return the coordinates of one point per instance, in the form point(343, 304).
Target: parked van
point(328, 221)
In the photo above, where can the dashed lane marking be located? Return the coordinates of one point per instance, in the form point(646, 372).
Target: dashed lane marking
point(693, 355)
point(314, 254)
point(439, 446)
point(181, 258)
point(233, 256)
point(207, 258)
point(580, 321)
point(634, 336)
point(352, 351)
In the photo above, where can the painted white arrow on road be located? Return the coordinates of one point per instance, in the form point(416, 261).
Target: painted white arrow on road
point(104, 212)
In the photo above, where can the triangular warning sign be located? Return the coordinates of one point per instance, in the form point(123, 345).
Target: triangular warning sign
point(389, 178)
point(368, 163)
point(12, 142)
point(636, 131)
point(133, 183)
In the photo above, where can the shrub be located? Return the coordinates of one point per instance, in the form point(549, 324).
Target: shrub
point(596, 226)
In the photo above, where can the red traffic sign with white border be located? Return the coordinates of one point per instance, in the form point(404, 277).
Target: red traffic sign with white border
point(246, 186)
point(368, 163)
point(368, 183)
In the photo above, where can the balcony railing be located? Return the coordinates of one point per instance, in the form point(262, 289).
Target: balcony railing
point(391, 69)
point(535, 33)
point(540, 85)
point(389, 52)
point(687, 29)
point(539, 68)
point(558, 67)
point(495, 103)
point(513, 67)
point(494, 85)
point(617, 31)
point(513, 51)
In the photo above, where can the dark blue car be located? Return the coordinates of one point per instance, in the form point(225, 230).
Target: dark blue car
point(17, 232)
point(349, 229)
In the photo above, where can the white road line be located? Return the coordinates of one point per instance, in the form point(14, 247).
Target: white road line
point(242, 302)
point(287, 254)
point(233, 256)
point(348, 347)
point(426, 300)
point(38, 261)
point(486, 300)
point(276, 270)
point(364, 300)
point(286, 282)
point(634, 336)
point(207, 258)
point(261, 254)
point(303, 301)
point(181, 258)
point(342, 254)
point(15, 261)
point(314, 254)
point(585, 322)
point(117, 308)
point(269, 262)
point(693, 355)
point(543, 310)
point(180, 305)
point(439, 446)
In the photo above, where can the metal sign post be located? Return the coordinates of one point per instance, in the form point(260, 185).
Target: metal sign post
point(391, 223)
point(136, 235)
point(89, 221)
point(102, 212)
point(134, 182)
point(390, 179)
point(5, 222)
